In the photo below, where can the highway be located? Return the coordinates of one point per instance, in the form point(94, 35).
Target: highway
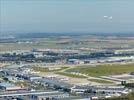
point(6, 94)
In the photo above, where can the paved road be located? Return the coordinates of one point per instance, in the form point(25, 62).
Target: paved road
point(27, 93)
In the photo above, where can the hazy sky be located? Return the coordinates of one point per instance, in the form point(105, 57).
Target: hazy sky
point(66, 16)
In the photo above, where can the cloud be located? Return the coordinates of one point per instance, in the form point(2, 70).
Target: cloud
point(105, 16)
point(110, 17)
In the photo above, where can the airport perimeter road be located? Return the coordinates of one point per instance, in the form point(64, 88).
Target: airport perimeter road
point(27, 93)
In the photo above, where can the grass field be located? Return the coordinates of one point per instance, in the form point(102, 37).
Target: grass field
point(124, 97)
point(89, 42)
point(103, 70)
point(70, 75)
point(100, 81)
point(42, 69)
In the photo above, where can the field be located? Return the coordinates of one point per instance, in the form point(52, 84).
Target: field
point(80, 42)
point(103, 70)
point(101, 81)
point(88, 70)
point(41, 69)
point(57, 71)
point(70, 75)
point(125, 97)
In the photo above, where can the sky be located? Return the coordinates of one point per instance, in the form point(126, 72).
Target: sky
point(57, 16)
